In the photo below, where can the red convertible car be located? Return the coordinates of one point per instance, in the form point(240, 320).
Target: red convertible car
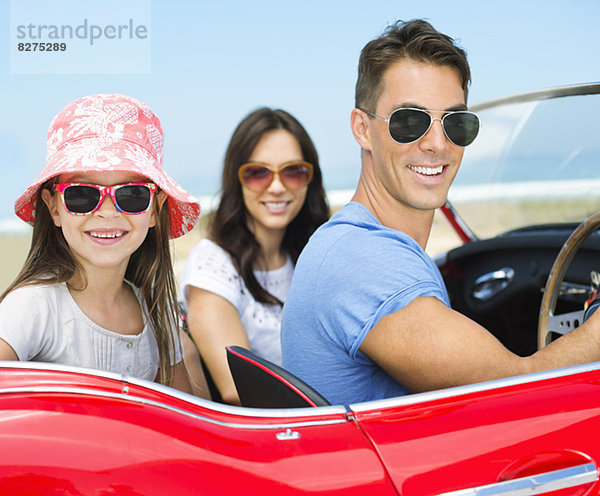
point(528, 183)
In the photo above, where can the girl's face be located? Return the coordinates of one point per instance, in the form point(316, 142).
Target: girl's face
point(272, 209)
point(105, 238)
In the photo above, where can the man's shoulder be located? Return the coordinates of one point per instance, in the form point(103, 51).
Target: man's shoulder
point(352, 219)
point(346, 255)
point(353, 231)
point(352, 214)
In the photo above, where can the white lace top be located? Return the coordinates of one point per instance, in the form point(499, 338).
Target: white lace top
point(210, 267)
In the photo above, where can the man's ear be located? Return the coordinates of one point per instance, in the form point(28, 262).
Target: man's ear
point(359, 123)
point(160, 198)
point(52, 202)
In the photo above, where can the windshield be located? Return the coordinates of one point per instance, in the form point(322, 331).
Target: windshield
point(534, 162)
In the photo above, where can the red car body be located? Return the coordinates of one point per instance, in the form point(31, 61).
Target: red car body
point(72, 431)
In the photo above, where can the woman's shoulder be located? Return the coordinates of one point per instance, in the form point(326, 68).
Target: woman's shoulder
point(208, 257)
point(207, 247)
point(208, 250)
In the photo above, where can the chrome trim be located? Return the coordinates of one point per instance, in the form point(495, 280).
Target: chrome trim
point(560, 91)
point(288, 435)
point(195, 400)
point(412, 399)
point(489, 285)
point(565, 322)
point(573, 288)
point(164, 406)
point(535, 484)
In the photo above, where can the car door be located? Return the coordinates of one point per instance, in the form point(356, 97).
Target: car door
point(533, 434)
point(85, 432)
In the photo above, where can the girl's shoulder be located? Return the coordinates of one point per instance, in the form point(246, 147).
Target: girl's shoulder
point(34, 301)
point(37, 292)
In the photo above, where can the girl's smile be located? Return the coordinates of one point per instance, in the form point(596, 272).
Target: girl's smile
point(107, 236)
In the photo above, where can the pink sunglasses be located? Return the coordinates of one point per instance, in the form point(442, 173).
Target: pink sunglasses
point(84, 199)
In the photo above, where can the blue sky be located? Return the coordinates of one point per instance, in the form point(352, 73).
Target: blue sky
point(208, 64)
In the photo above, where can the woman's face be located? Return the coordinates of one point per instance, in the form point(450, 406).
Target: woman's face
point(272, 209)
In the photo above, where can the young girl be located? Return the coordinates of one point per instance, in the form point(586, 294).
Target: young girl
point(235, 283)
point(97, 289)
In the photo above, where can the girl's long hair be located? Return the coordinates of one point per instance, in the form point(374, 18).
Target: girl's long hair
point(50, 261)
point(229, 228)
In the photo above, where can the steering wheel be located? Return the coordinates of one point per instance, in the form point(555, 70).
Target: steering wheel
point(561, 324)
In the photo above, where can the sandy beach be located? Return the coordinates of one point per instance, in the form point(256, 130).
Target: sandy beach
point(13, 250)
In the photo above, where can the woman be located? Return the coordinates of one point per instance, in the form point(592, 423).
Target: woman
point(235, 282)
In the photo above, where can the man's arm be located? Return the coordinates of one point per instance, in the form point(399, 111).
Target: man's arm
point(426, 346)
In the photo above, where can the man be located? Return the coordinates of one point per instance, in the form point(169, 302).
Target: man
point(368, 315)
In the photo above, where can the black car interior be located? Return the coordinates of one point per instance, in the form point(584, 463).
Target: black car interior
point(499, 282)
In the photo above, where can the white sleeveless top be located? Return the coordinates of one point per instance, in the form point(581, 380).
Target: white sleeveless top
point(210, 267)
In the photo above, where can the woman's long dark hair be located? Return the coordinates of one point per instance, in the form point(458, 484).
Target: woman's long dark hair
point(229, 228)
point(50, 261)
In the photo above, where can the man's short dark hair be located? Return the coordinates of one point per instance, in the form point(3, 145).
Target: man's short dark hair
point(416, 40)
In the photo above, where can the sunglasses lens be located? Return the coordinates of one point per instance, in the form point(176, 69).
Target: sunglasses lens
point(133, 198)
point(257, 177)
point(294, 176)
point(81, 199)
point(408, 125)
point(461, 127)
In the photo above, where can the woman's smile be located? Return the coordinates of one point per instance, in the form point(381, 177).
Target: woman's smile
point(276, 206)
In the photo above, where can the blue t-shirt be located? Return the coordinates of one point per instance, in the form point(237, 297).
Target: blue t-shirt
point(352, 272)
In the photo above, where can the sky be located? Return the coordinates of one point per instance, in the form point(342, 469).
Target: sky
point(202, 66)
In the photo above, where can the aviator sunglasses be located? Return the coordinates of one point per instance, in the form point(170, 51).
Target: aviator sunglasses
point(407, 125)
point(84, 199)
point(258, 176)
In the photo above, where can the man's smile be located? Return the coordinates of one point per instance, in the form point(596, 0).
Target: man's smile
point(427, 171)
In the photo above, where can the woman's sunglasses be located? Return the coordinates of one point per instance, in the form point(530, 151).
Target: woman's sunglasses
point(84, 199)
point(407, 125)
point(258, 177)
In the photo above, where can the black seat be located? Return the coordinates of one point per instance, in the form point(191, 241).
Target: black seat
point(262, 384)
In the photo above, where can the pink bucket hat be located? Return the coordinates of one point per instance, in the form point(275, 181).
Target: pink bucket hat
point(110, 133)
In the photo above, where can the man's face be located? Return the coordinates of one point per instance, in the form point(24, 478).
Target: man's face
point(417, 175)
